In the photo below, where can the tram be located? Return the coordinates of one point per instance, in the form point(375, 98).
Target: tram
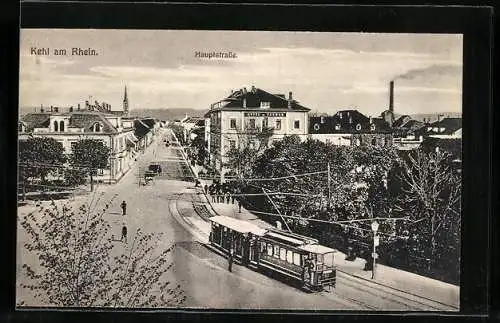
point(299, 258)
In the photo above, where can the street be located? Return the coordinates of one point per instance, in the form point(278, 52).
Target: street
point(202, 274)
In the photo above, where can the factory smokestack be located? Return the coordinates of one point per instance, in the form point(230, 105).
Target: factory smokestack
point(391, 96)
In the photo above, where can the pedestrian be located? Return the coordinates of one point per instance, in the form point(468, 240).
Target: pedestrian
point(230, 259)
point(124, 234)
point(232, 198)
point(228, 197)
point(212, 192)
point(124, 208)
point(239, 206)
point(205, 188)
point(219, 196)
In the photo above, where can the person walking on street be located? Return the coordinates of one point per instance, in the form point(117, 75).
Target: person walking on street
point(205, 188)
point(232, 198)
point(230, 259)
point(239, 206)
point(124, 234)
point(124, 208)
point(228, 196)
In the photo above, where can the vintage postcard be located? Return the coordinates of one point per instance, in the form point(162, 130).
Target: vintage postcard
point(183, 169)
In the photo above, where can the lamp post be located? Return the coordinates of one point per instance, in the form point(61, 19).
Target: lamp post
point(375, 244)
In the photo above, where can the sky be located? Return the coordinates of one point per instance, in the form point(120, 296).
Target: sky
point(326, 72)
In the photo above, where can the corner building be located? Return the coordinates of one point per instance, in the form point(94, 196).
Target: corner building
point(233, 121)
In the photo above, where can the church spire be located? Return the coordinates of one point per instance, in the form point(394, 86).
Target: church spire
point(125, 102)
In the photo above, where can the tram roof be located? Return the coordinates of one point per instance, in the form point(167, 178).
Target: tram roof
point(316, 248)
point(238, 225)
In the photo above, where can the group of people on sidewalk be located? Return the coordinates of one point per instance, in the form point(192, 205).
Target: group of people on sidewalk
point(222, 194)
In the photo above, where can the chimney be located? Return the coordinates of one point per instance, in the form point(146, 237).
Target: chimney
point(78, 106)
point(41, 109)
point(254, 89)
point(290, 98)
point(244, 90)
point(70, 109)
point(391, 96)
point(371, 121)
point(244, 102)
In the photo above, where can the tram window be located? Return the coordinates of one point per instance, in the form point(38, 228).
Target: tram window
point(289, 256)
point(328, 259)
point(319, 259)
point(282, 253)
point(296, 258)
point(262, 247)
point(269, 249)
point(277, 251)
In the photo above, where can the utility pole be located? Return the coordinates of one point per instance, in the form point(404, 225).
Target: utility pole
point(329, 189)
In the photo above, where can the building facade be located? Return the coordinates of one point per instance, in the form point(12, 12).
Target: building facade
point(350, 128)
point(236, 121)
point(70, 127)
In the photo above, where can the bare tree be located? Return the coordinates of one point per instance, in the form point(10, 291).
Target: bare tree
point(78, 263)
point(431, 192)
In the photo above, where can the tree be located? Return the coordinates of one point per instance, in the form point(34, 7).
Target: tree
point(90, 154)
point(39, 157)
point(250, 143)
point(79, 264)
point(431, 194)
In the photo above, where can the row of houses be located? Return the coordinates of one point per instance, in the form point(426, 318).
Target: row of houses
point(125, 136)
point(244, 113)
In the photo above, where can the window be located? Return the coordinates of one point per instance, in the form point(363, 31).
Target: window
point(296, 124)
point(282, 253)
point(296, 259)
point(262, 247)
point(337, 127)
point(97, 127)
point(289, 256)
point(73, 145)
point(358, 127)
point(232, 124)
point(316, 127)
point(56, 126)
point(322, 119)
point(276, 251)
point(265, 104)
point(372, 127)
point(265, 122)
point(232, 144)
point(251, 123)
point(61, 125)
point(278, 124)
point(269, 249)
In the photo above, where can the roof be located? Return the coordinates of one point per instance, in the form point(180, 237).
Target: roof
point(150, 122)
point(450, 125)
point(87, 119)
point(316, 248)
point(253, 99)
point(402, 120)
point(346, 122)
point(77, 119)
point(238, 225)
point(35, 120)
point(140, 129)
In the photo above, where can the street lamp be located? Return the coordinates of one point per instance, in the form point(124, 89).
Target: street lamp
point(375, 244)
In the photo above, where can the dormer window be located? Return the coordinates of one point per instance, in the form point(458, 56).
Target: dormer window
point(56, 126)
point(265, 105)
point(358, 127)
point(337, 126)
point(322, 119)
point(97, 127)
